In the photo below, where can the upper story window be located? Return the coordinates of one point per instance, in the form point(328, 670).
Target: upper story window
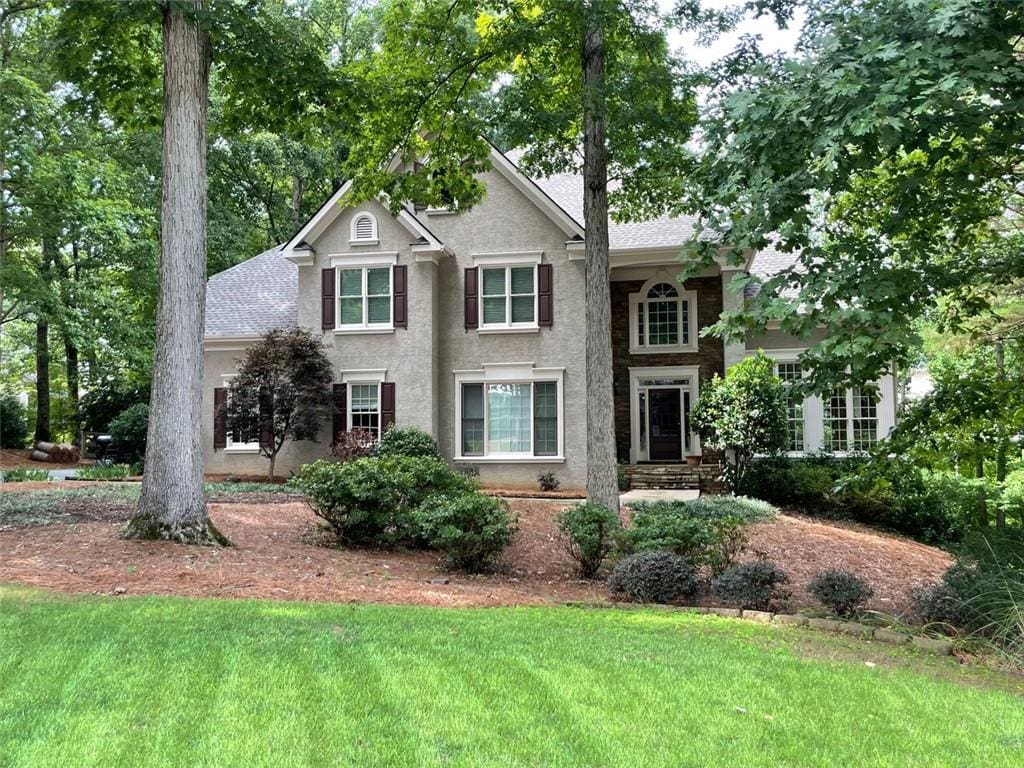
point(364, 297)
point(508, 296)
point(364, 229)
point(663, 318)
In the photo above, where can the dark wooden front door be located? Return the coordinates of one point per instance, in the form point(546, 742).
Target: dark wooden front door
point(666, 427)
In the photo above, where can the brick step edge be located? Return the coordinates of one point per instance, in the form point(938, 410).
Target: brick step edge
point(943, 647)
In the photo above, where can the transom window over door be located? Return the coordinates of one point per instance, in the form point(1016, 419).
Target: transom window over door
point(508, 296)
point(364, 297)
point(663, 318)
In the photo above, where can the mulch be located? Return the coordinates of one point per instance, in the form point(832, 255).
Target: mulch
point(279, 554)
point(17, 458)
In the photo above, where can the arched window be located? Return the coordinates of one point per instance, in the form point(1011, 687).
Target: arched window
point(364, 228)
point(663, 318)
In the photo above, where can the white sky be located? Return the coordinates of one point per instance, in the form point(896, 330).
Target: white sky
point(773, 38)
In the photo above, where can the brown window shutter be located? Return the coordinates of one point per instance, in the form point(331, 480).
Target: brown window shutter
point(220, 418)
point(387, 404)
point(339, 422)
point(327, 296)
point(398, 298)
point(472, 307)
point(266, 421)
point(545, 311)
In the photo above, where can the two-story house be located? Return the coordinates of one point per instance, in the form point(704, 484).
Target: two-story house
point(469, 324)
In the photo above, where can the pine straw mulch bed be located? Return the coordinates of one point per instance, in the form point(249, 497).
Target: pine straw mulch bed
point(279, 553)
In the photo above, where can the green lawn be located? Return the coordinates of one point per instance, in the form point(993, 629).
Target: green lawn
point(155, 681)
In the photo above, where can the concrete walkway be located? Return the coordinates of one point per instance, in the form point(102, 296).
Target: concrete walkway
point(658, 494)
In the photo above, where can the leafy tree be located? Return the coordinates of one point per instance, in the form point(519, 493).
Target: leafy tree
point(283, 386)
point(743, 414)
point(888, 152)
point(585, 86)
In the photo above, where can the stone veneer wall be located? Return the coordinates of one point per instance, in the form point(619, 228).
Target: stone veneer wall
point(710, 354)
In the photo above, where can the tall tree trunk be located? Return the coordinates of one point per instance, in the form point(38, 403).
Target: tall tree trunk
point(42, 381)
point(602, 477)
point(71, 369)
point(1003, 447)
point(297, 187)
point(172, 503)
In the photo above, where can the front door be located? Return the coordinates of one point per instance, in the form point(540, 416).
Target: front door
point(666, 424)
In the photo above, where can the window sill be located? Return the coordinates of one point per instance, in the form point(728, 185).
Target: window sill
point(662, 350)
point(509, 459)
point(242, 449)
point(364, 242)
point(508, 329)
point(359, 330)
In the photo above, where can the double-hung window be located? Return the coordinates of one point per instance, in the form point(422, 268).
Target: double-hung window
point(364, 297)
point(364, 408)
point(245, 434)
point(510, 418)
point(662, 318)
point(850, 420)
point(788, 373)
point(508, 296)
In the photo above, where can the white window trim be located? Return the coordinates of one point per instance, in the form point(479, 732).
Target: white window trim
point(353, 240)
point(362, 376)
point(510, 373)
point(364, 262)
point(230, 446)
point(507, 261)
point(691, 372)
point(803, 406)
point(635, 299)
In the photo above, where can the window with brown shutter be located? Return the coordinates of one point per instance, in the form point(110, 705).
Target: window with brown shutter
point(339, 421)
point(387, 404)
point(471, 308)
point(327, 297)
point(398, 297)
point(545, 309)
point(220, 418)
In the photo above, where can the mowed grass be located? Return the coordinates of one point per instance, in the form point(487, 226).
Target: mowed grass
point(175, 682)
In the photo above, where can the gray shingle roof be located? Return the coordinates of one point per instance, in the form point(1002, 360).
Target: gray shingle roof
point(253, 297)
point(767, 263)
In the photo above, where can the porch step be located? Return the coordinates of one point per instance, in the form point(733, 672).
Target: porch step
point(704, 477)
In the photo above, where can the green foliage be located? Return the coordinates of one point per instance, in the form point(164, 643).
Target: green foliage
point(106, 401)
point(743, 414)
point(372, 500)
point(19, 475)
point(754, 586)
point(469, 528)
point(590, 533)
point(708, 531)
point(14, 429)
point(653, 577)
point(407, 441)
point(128, 431)
point(879, 153)
point(112, 472)
point(548, 481)
point(844, 593)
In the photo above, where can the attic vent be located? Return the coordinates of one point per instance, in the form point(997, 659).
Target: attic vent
point(364, 228)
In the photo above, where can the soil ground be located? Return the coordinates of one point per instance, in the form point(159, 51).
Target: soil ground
point(280, 553)
point(17, 458)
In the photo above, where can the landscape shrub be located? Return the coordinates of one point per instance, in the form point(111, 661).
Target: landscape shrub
point(754, 586)
point(471, 529)
point(548, 481)
point(14, 430)
point(128, 431)
point(408, 442)
point(371, 500)
point(18, 475)
point(1011, 500)
point(842, 592)
point(590, 532)
point(653, 577)
point(354, 444)
point(707, 531)
point(106, 399)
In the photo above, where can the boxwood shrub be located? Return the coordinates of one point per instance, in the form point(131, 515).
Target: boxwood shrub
point(471, 529)
point(755, 586)
point(589, 532)
point(842, 592)
point(653, 577)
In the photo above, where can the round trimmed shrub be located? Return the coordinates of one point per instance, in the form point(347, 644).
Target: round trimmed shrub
point(407, 441)
point(128, 430)
point(841, 592)
point(754, 586)
point(653, 577)
point(471, 529)
point(590, 532)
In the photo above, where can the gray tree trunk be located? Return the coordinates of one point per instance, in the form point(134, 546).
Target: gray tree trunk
point(42, 433)
point(297, 188)
point(172, 504)
point(602, 475)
